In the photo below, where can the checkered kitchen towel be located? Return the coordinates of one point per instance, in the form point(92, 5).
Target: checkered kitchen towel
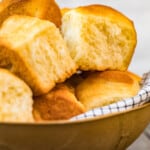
point(142, 97)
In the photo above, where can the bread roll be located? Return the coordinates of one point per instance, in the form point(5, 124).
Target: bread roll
point(35, 51)
point(64, 10)
point(103, 88)
point(99, 37)
point(58, 104)
point(5, 3)
point(15, 99)
point(43, 9)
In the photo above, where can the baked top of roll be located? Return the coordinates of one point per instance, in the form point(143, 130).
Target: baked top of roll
point(103, 88)
point(64, 10)
point(99, 37)
point(58, 104)
point(43, 9)
point(105, 11)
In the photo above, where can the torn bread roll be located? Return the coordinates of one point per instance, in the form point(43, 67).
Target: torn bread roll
point(43, 9)
point(15, 99)
point(103, 88)
point(58, 104)
point(99, 37)
point(34, 50)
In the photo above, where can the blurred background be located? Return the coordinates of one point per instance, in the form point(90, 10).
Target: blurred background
point(139, 13)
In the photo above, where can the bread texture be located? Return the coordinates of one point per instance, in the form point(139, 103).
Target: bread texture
point(103, 88)
point(5, 3)
point(43, 9)
point(58, 104)
point(99, 37)
point(34, 50)
point(15, 99)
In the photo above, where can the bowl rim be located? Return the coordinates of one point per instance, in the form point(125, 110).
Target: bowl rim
point(62, 122)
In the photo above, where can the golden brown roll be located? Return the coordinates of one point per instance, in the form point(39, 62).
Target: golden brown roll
point(15, 99)
point(99, 37)
point(43, 9)
point(34, 50)
point(103, 88)
point(64, 10)
point(5, 3)
point(58, 104)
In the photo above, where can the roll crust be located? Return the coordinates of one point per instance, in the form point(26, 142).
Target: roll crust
point(103, 88)
point(43, 9)
point(58, 104)
point(64, 10)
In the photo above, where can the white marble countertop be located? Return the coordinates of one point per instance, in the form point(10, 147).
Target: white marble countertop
point(139, 13)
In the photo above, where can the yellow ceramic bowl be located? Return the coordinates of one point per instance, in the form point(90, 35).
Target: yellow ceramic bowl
point(111, 132)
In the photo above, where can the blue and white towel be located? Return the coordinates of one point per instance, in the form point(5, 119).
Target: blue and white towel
point(141, 98)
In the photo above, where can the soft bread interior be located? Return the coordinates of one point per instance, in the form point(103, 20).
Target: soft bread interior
point(99, 37)
point(36, 52)
point(15, 99)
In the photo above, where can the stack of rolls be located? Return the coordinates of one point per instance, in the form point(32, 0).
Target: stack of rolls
point(72, 60)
